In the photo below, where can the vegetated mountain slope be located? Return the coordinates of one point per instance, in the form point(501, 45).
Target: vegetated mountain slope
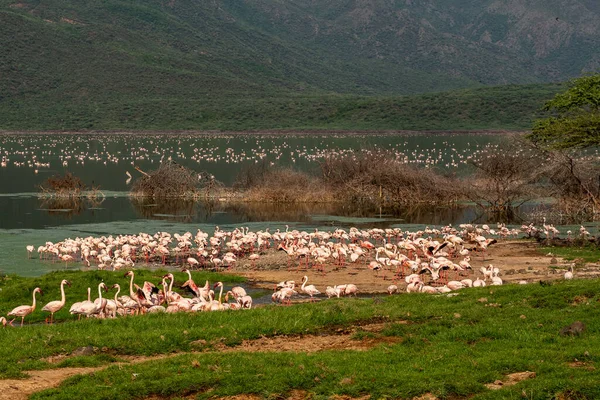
point(182, 64)
point(488, 41)
point(501, 107)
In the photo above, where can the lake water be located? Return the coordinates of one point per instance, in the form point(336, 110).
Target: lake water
point(102, 160)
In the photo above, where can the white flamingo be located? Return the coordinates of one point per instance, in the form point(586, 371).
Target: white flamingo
point(310, 290)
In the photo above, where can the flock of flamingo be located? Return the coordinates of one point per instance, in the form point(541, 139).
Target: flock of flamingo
point(423, 260)
point(147, 298)
point(40, 152)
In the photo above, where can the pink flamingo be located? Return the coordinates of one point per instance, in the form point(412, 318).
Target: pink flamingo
point(23, 311)
point(88, 308)
point(238, 292)
point(56, 305)
point(253, 257)
point(191, 285)
point(350, 289)
point(77, 305)
point(66, 258)
point(193, 262)
point(392, 289)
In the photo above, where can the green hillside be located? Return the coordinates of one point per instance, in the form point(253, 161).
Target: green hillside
point(233, 64)
point(502, 107)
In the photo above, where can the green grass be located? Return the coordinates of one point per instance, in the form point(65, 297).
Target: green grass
point(440, 352)
point(587, 254)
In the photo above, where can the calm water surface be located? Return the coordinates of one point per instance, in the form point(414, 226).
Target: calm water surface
point(102, 160)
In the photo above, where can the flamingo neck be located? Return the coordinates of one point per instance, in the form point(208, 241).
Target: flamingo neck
point(89, 294)
point(131, 292)
point(171, 286)
point(117, 295)
point(63, 298)
point(167, 292)
point(33, 305)
point(304, 280)
point(220, 294)
point(100, 293)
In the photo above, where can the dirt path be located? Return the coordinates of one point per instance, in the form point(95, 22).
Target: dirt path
point(21, 389)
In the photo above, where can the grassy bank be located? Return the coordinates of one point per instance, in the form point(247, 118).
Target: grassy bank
point(448, 346)
point(16, 290)
point(585, 254)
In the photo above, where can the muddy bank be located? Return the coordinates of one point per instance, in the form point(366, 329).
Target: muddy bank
point(518, 260)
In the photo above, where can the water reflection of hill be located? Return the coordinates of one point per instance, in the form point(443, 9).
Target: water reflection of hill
point(68, 207)
point(171, 209)
point(33, 212)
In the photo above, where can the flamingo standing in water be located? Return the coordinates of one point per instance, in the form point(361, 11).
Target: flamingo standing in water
point(310, 290)
point(57, 305)
point(23, 311)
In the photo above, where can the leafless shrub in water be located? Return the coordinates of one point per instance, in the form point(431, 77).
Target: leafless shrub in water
point(67, 185)
point(507, 176)
point(289, 186)
point(174, 180)
point(574, 180)
point(378, 177)
point(252, 175)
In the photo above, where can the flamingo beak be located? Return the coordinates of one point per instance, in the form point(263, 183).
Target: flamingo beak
point(69, 283)
point(126, 274)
